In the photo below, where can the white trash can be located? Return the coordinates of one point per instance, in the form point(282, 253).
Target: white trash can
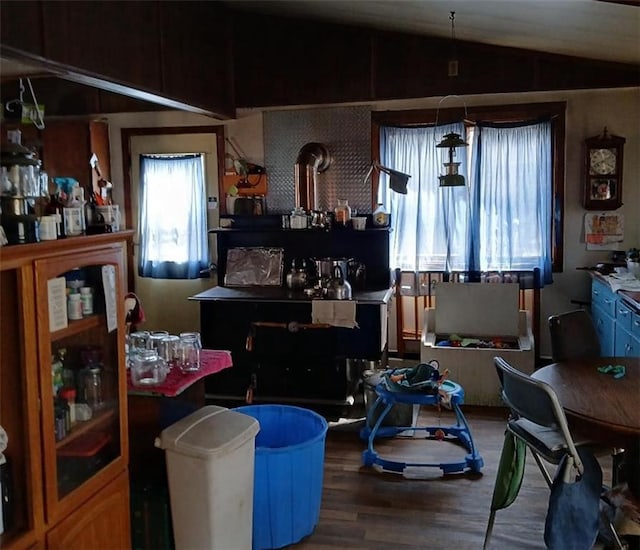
point(210, 466)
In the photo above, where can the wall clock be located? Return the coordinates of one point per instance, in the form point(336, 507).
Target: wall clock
point(603, 172)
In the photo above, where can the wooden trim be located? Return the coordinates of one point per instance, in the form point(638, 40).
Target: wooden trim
point(125, 141)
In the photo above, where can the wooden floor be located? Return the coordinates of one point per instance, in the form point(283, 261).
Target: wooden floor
point(366, 509)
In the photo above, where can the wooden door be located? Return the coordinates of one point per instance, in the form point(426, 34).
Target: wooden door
point(103, 522)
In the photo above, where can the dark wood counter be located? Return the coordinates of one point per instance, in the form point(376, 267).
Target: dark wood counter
point(281, 294)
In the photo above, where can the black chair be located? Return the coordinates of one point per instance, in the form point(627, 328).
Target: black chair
point(573, 336)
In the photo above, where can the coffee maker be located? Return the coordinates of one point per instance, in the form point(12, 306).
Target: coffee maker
point(22, 185)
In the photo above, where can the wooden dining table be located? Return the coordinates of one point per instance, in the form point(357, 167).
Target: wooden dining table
point(604, 408)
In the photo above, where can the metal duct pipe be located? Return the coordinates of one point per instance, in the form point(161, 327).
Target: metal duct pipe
point(313, 159)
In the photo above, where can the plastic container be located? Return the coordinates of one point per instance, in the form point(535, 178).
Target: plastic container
point(380, 216)
point(210, 466)
point(401, 414)
point(289, 468)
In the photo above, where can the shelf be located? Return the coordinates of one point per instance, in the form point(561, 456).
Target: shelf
point(81, 428)
point(76, 327)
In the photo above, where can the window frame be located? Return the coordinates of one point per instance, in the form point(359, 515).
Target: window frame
point(556, 111)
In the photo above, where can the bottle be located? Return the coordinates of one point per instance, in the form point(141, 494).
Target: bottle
point(380, 216)
point(74, 306)
point(57, 369)
point(342, 212)
point(69, 396)
point(86, 297)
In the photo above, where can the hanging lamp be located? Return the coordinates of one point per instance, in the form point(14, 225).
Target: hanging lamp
point(451, 141)
point(452, 179)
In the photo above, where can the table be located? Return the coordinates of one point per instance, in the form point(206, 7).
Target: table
point(153, 408)
point(606, 409)
point(211, 361)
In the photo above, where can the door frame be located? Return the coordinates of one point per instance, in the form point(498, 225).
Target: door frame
point(125, 139)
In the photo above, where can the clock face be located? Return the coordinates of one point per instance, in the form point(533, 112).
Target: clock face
point(602, 161)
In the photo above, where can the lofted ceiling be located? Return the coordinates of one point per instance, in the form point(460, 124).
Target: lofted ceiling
point(596, 29)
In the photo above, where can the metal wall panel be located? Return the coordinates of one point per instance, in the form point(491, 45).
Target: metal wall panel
point(345, 131)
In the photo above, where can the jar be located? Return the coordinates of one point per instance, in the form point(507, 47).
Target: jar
point(86, 297)
point(190, 347)
point(169, 351)
point(147, 368)
point(92, 387)
point(380, 216)
point(342, 212)
point(155, 337)
point(138, 341)
point(298, 218)
point(74, 307)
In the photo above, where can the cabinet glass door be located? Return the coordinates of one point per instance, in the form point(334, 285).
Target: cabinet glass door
point(20, 459)
point(81, 352)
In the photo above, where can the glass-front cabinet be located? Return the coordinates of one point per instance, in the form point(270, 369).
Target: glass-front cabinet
point(63, 394)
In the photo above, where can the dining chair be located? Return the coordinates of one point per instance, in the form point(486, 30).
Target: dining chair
point(538, 422)
point(573, 336)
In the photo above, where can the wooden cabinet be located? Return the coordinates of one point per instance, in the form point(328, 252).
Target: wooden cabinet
point(68, 474)
point(102, 519)
point(68, 145)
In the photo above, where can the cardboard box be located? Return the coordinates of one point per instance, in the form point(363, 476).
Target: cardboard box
point(478, 310)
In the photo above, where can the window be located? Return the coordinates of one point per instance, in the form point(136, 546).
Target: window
point(172, 217)
point(508, 216)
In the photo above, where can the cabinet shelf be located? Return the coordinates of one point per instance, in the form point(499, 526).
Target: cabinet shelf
point(80, 428)
point(76, 327)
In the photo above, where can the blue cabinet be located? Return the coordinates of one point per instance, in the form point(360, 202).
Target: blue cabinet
point(603, 311)
point(617, 324)
point(627, 331)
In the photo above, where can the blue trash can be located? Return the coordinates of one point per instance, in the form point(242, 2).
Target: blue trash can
point(289, 467)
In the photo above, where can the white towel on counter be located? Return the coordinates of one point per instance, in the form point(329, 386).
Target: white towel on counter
point(338, 313)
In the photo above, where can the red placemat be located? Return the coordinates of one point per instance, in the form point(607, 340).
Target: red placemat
point(211, 361)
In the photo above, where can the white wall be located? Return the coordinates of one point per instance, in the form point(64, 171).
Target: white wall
point(588, 111)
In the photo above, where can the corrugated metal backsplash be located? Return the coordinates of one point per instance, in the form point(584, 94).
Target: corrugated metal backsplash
point(345, 131)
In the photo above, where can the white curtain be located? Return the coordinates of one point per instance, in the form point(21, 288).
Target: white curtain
point(429, 222)
point(499, 221)
point(172, 219)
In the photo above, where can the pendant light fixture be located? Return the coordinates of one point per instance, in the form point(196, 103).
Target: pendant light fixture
point(451, 141)
point(451, 178)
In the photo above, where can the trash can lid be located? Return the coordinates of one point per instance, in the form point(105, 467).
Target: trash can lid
point(208, 432)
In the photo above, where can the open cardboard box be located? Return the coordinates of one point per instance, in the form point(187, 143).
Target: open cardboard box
point(478, 310)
